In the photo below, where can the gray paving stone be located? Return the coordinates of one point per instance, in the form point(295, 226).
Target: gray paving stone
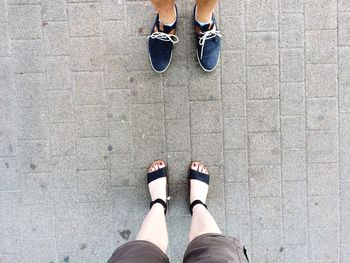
point(266, 240)
point(140, 18)
point(28, 56)
point(36, 189)
point(292, 6)
point(120, 137)
point(207, 148)
point(295, 228)
point(64, 172)
point(206, 117)
point(147, 149)
point(86, 54)
point(66, 206)
point(11, 236)
point(321, 46)
point(204, 86)
point(344, 163)
point(114, 37)
point(8, 140)
point(237, 194)
point(177, 68)
point(323, 211)
point(88, 88)
point(292, 99)
point(344, 253)
point(147, 119)
point(5, 72)
point(121, 170)
point(9, 176)
point(233, 28)
point(262, 16)
point(23, 2)
point(93, 186)
point(343, 5)
point(176, 103)
point(265, 213)
point(25, 21)
point(36, 245)
point(7, 109)
point(9, 203)
point(262, 181)
point(138, 59)
point(178, 135)
point(344, 28)
point(233, 67)
point(113, 9)
point(238, 226)
point(262, 82)
point(56, 38)
point(234, 100)
point(321, 114)
point(179, 201)
point(264, 148)
point(344, 97)
point(178, 163)
point(262, 48)
point(118, 105)
point(293, 164)
point(146, 87)
point(292, 65)
point(91, 153)
point(344, 62)
point(235, 135)
point(91, 121)
point(62, 136)
point(61, 106)
point(323, 178)
point(53, 10)
point(327, 9)
point(293, 132)
point(230, 8)
point(295, 253)
point(84, 19)
point(322, 146)
point(34, 156)
point(344, 130)
point(115, 73)
point(33, 123)
point(236, 166)
point(58, 75)
point(295, 199)
point(31, 90)
point(263, 115)
point(291, 30)
point(321, 80)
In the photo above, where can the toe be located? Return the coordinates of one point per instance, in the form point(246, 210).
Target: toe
point(200, 168)
point(161, 164)
point(194, 166)
point(205, 170)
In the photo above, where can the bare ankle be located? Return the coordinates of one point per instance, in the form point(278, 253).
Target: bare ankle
point(167, 14)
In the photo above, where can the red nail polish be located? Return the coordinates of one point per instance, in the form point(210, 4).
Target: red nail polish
point(194, 165)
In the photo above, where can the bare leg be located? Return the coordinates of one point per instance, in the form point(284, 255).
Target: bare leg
point(205, 9)
point(153, 228)
point(166, 10)
point(202, 221)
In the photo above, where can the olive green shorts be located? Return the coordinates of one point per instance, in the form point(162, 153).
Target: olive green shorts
point(207, 248)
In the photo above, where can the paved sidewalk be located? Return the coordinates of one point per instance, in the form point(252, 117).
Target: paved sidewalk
point(82, 115)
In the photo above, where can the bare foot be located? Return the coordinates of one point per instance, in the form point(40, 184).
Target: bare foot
point(157, 188)
point(199, 190)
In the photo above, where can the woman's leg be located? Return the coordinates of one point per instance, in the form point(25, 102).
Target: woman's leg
point(205, 9)
point(153, 228)
point(202, 221)
point(166, 10)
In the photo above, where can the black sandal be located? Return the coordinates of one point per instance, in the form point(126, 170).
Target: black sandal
point(195, 175)
point(154, 176)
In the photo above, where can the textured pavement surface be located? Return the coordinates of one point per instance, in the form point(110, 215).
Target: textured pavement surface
point(82, 115)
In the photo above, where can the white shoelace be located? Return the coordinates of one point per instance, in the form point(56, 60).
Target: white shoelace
point(208, 35)
point(164, 37)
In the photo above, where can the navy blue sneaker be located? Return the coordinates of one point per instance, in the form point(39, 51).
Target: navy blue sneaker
point(208, 40)
point(160, 45)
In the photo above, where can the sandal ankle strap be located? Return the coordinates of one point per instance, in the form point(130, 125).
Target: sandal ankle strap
point(197, 202)
point(159, 201)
